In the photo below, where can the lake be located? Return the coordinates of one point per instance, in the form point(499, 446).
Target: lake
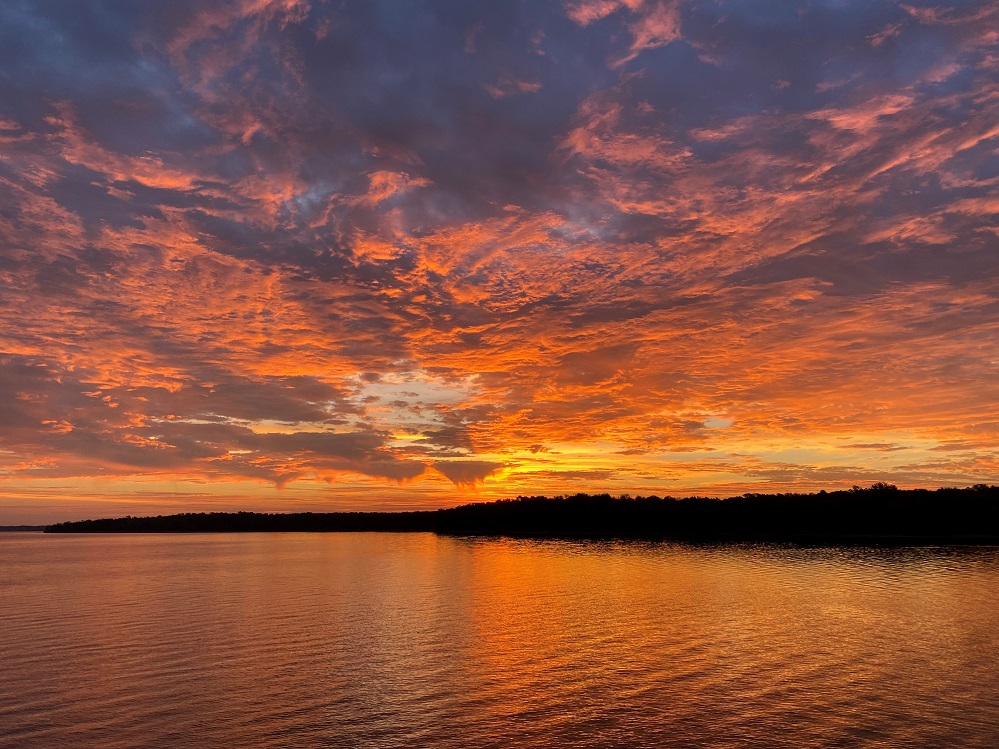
point(418, 640)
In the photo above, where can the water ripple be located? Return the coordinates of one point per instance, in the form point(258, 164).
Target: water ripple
point(381, 640)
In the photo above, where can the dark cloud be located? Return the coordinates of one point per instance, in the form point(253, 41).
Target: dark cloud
point(466, 472)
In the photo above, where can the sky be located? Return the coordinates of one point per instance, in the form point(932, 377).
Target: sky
point(293, 255)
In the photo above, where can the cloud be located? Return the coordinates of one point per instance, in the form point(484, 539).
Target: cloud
point(382, 185)
point(658, 24)
point(507, 86)
point(468, 472)
point(585, 12)
point(329, 247)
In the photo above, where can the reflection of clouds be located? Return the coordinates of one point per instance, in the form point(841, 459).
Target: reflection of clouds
point(624, 243)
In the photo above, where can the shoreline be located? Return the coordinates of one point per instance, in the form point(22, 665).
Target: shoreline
point(879, 516)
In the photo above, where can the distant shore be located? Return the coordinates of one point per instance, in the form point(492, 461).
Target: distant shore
point(877, 515)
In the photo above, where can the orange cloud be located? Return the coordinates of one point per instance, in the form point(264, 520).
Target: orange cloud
point(288, 253)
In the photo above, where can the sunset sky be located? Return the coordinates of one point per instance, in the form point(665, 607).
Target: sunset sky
point(306, 255)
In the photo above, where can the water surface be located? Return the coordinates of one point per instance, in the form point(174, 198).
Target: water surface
point(410, 640)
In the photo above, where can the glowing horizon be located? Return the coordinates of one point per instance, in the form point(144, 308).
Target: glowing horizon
point(280, 255)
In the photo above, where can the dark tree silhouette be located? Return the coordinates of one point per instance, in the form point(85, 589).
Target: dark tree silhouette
point(881, 513)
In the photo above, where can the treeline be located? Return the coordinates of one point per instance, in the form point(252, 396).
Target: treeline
point(254, 522)
point(880, 513)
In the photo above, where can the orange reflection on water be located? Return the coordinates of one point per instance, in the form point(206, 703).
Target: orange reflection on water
point(416, 639)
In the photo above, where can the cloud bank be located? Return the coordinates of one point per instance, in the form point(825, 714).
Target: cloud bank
point(404, 252)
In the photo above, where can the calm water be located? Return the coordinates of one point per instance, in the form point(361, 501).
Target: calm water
point(414, 640)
